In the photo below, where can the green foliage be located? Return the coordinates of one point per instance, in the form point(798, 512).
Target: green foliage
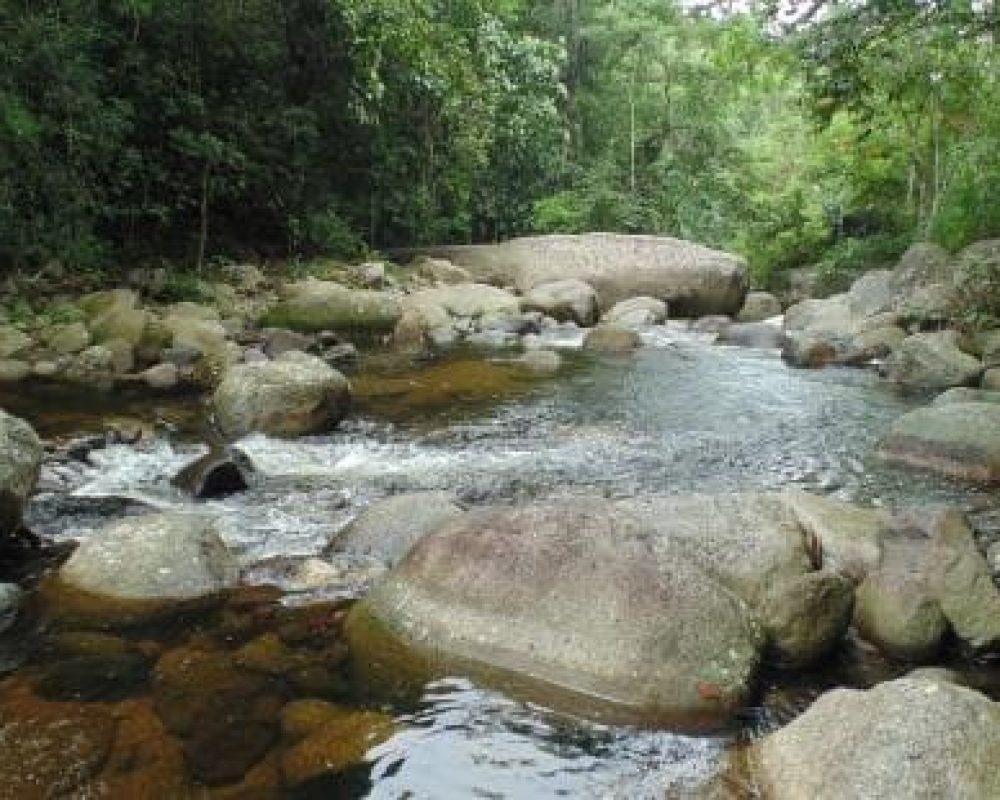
point(185, 130)
point(182, 286)
point(977, 279)
point(847, 260)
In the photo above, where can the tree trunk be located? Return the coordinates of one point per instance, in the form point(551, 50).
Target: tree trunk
point(203, 223)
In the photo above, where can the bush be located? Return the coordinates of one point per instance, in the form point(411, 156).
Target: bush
point(328, 233)
point(848, 259)
point(977, 278)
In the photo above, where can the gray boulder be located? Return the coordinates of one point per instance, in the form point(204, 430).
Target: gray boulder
point(693, 279)
point(20, 463)
point(574, 596)
point(959, 439)
point(293, 395)
point(932, 361)
point(160, 558)
point(389, 528)
point(661, 605)
point(931, 579)
point(637, 312)
point(564, 300)
point(758, 307)
point(895, 605)
point(918, 738)
point(311, 306)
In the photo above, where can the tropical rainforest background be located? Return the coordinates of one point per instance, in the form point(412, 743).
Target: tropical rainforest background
point(188, 131)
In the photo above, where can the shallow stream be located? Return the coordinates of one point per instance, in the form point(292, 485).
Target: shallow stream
point(679, 416)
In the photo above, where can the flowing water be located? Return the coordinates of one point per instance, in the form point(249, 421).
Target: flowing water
point(679, 416)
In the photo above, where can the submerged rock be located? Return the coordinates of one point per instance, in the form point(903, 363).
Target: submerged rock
point(342, 742)
point(916, 738)
point(292, 395)
point(388, 528)
point(20, 466)
point(51, 749)
point(958, 439)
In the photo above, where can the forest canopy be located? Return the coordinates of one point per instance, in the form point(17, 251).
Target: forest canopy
point(188, 131)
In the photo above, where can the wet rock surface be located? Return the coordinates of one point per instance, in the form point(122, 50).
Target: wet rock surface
point(914, 737)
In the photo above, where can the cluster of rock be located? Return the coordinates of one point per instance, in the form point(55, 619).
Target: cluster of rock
point(666, 608)
point(886, 315)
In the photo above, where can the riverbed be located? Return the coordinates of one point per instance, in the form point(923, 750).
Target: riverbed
point(679, 416)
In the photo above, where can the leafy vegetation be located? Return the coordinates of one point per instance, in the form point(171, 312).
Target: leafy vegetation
point(828, 133)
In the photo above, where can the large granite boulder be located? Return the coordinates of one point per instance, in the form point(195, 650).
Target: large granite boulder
point(959, 439)
point(20, 462)
point(573, 596)
point(932, 361)
point(917, 737)
point(695, 280)
point(663, 607)
point(311, 306)
point(293, 395)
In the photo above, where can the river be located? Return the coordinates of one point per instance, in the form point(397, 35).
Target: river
point(679, 416)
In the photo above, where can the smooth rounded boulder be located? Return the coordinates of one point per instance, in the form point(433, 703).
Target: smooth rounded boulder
point(958, 439)
point(663, 607)
point(293, 395)
point(919, 738)
point(140, 568)
point(693, 279)
point(572, 598)
point(20, 463)
point(932, 361)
